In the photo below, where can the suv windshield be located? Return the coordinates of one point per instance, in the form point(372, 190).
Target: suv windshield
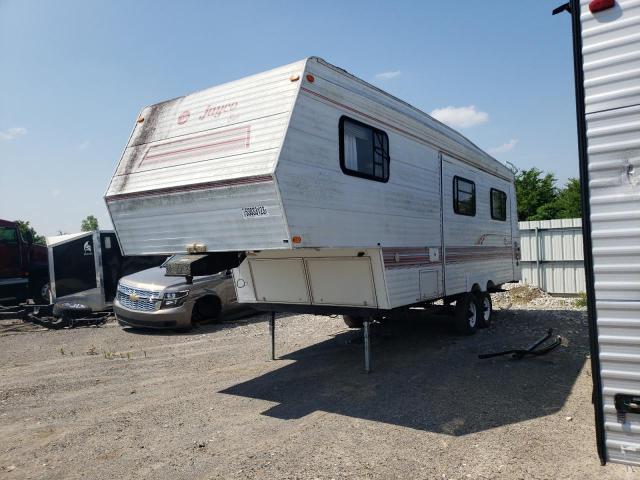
point(8, 236)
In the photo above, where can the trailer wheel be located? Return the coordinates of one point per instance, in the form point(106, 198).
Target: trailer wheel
point(40, 291)
point(466, 314)
point(44, 294)
point(485, 309)
point(353, 321)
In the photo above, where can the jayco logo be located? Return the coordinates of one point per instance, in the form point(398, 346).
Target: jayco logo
point(87, 248)
point(211, 111)
point(216, 110)
point(183, 117)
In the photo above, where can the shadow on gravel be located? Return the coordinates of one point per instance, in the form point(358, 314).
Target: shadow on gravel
point(231, 320)
point(426, 378)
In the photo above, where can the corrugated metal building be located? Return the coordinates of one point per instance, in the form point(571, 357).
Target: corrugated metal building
point(552, 255)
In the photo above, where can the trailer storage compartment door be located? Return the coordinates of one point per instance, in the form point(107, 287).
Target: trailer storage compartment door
point(607, 55)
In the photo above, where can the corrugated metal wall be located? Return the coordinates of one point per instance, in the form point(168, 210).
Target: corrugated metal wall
point(552, 256)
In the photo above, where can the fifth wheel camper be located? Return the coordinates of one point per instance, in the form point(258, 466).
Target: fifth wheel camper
point(323, 193)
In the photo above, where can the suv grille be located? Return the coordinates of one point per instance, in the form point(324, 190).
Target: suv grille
point(146, 300)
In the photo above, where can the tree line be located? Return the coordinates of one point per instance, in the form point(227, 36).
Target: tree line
point(540, 198)
point(88, 224)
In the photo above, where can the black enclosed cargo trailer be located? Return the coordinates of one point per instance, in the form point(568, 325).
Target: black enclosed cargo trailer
point(85, 268)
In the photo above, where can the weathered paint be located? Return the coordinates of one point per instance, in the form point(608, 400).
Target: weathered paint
point(254, 164)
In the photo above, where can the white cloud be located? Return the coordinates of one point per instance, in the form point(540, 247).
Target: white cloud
point(12, 133)
point(460, 117)
point(84, 145)
point(505, 147)
point(56, 192)
point(387, 75)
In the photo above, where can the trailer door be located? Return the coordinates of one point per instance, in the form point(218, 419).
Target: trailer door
point(607, 70)
point(73, 266)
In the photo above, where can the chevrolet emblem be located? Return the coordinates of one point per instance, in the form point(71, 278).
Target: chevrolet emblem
point(134, 297)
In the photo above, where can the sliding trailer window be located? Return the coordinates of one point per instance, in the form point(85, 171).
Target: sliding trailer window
point(498, 204)
point(464, 196)
point(364, 150)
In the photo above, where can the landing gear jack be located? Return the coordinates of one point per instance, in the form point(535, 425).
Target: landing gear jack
point(367, 344)
point(272, 330)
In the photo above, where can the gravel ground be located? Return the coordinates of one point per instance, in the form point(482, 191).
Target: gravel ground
point(110, 403)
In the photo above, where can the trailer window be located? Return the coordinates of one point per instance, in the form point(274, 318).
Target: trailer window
point(498, 205)
point(464, 196)
point(364, 150)
point(8, 236)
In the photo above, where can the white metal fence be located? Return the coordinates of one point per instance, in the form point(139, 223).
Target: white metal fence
point(552, 257)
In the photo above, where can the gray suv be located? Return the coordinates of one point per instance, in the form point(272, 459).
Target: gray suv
point(149, 299)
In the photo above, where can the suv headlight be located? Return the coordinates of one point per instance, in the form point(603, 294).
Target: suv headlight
point(174, 299)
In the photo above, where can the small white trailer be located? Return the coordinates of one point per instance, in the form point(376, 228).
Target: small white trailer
point(606, 40)
point(323, 193)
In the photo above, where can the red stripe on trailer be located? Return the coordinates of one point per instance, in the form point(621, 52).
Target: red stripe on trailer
point(188, 188)
point(407, 257)
point(476, 253)
point(399, 130)
point(240, 137)
point(351, 109)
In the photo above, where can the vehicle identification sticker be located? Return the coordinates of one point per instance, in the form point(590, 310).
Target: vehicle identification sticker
point(253, 212)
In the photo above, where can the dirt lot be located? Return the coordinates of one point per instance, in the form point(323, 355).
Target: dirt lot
point(106, 403)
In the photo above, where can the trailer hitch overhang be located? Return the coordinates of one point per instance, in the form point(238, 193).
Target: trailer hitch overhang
point(192, 265)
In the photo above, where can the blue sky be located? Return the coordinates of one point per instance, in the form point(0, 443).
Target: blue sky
point(75, 73)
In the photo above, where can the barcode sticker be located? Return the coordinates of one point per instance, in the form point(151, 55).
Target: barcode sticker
point(253, 212)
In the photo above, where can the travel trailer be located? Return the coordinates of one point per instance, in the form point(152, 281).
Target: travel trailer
point(323, 193)
point(606, 41)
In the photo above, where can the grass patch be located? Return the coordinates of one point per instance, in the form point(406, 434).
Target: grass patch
point(581, 301)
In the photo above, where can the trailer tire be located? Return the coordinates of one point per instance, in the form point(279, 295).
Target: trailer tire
point(42, 294)
point(485, 309)
point(466, 314)
point(70, 310)
point(353, 321)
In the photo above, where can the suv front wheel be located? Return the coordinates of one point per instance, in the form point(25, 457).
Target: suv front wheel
point(207, 308)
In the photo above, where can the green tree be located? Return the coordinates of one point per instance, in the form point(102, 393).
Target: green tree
point(568, 202)
point(540, 199)
point(25, 228)
point(533, 191)
point(89, 224)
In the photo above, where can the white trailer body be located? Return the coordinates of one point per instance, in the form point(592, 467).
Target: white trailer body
point(606, 37)
point(336, 194)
